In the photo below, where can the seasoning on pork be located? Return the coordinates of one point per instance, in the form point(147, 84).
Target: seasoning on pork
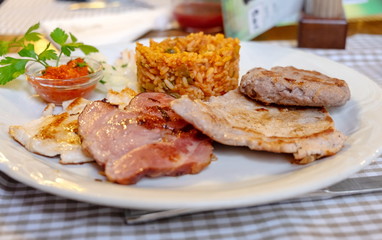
point(233, 119)
point(146, 139)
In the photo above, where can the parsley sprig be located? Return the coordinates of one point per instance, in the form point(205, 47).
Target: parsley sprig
point(11, 68)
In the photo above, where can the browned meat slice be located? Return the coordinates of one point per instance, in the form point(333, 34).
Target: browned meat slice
point(54, 134)
point(107, 132)
point(233, 119)
point(142, 140)
point(183, 154)
point(294, 87)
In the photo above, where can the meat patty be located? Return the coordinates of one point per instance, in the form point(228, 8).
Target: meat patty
point(233, 119)
point(146, 138)
point(294, 87)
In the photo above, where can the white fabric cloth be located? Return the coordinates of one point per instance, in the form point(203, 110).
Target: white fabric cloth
point(93, 26)
point(123, 27)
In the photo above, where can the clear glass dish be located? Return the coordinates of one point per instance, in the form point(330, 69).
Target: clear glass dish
point(59, 90)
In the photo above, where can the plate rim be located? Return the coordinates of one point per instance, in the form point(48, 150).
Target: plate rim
point(227, 202)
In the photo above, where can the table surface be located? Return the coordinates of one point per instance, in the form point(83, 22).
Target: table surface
point(27, 213)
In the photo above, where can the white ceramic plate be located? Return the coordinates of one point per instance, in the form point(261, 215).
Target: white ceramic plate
point(239, 177)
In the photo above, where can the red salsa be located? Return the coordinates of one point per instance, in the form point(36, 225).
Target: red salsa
point(73, 69)
point(65, 82)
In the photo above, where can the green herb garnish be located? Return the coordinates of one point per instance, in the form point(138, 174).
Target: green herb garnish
point(170, 50)
point(11, 68)
point(81, 64)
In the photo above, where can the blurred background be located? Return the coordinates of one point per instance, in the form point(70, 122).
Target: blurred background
point(348, 32)
point(107, 21)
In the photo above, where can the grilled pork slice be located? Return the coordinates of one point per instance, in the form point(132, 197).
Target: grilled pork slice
point(233, 119)
point(294, 87)
point(56, 134)
point(146, 138)
point(53, 135)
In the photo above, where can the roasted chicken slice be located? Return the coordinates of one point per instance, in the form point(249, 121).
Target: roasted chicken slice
point(54, 134)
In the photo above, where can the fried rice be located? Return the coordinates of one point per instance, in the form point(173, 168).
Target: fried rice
point(197, 65)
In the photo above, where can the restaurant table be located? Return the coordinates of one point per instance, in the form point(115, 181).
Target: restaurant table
point(27, 213)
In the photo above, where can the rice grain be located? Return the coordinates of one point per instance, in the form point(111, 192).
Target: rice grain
point(197, 65)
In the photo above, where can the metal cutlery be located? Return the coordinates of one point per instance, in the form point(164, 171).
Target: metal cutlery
point(348, 186)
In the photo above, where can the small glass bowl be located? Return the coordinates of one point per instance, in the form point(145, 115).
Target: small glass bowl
point(57, 90)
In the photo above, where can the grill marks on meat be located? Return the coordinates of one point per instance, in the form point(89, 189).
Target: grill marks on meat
point(294, 87)
point(147, 138)
point(233, 119)
point(54, 134)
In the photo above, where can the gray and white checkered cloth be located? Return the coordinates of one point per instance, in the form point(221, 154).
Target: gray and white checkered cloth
point(27, 213)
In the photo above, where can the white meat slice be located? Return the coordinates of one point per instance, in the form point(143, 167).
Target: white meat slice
point(52, 135)
point(233, 119)
point(75, 106)
point(56, 134)
point(122, 98)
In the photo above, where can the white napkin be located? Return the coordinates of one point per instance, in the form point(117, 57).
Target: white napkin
point(109, 29)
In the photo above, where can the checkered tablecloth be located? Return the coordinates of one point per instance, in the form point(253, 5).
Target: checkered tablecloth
point(27, 213)
point(363, 53)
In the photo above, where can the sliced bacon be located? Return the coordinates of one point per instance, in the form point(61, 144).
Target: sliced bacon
point(161, 159)
point(109, 133)
point(147, 138)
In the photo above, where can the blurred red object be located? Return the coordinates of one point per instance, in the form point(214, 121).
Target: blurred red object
point(199, 15)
